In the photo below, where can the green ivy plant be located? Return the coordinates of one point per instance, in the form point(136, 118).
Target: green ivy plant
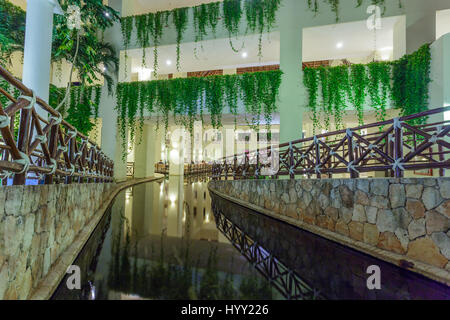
point(83, 107)
point(12, 30)
point(232, 14)
point(260, 14)
point(314, 6)
point(411, 79)
point(180, 20)
point(187, 99)
point(405, 82)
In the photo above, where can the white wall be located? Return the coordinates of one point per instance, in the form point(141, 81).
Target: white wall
point(442, 23)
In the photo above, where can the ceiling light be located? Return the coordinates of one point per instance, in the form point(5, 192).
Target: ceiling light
point(107, 14)
point(339, 45)
point(169, 62)
point(244, 55)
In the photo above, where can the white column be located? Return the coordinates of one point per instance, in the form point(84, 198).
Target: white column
point(292, 92)
point(145, 156)
point(176, 151)
point(38, 46)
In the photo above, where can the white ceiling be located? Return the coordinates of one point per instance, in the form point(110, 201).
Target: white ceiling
point(135, 7)
point(320, 43)
point(216, 54)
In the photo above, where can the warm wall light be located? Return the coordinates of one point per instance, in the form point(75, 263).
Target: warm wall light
point(169, 62)
point(244, 55)
point(339, 45)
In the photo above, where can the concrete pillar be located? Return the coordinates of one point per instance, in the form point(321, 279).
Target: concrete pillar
point(291, 105)
point(421, 26)
point(399, 43)
point(228, 141)
point(176, 151)
point(38, 45)
point(145, 156)
point(440, 73)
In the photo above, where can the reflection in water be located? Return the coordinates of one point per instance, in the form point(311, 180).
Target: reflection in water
point(160, 241)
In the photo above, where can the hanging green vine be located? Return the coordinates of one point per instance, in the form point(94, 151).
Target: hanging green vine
point(311, 81)
point(411, 79)
point(141, 23)
point(313, 5)
point(126, 26)
point(232, 14)
point(405, 82)
point(358, 83)
point(187, 99)
point(83, 107)
point(260, 14)
point(378, 87)
point(180, 19)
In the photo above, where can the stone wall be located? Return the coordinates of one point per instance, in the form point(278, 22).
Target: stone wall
point(37, 223)
point(410, 217)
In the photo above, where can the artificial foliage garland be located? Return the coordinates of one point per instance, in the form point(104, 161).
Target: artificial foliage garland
point(232, 14)
point(260, 15)
point(180, 19)
point(314, 6)
point(187, 99)
point(411, 78)
point(83, 107)
point(405, 82)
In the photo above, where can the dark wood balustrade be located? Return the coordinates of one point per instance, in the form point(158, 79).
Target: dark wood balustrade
point(396, 146)
point(45, 148)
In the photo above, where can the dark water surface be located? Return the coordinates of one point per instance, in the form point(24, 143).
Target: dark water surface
point(160, 241)
point(164, 240)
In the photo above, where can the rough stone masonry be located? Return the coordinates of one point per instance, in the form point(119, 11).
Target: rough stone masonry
point(410, 217)
point(37, 223)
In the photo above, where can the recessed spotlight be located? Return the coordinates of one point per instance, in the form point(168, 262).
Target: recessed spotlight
point(169, 62)
point(339, 45)
point(244, 55)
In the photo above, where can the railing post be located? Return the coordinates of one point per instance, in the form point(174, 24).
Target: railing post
point(317, 162)
point(398, 147)
point(351, 155)
point(291, 162)
point(22, 143)
point(257, 164)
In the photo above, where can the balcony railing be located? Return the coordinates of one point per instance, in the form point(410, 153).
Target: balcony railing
point(45, 148)
point(396, 146)
point(189, 169)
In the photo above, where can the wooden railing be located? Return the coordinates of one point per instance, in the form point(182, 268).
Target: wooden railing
point(189, 169)
point(394, 148)
point(45, 147)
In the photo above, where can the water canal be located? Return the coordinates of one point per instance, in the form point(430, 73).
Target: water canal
point(160, 241)
point(163, 240)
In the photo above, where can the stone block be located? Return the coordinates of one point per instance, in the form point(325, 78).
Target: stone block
point(386, 221)
point(379, 187)
point(443, 242)
point(416, 229)
point(414, 191)
point(371, 234)
point(356, 230)
point(431, 198)
point(435, 222)
point(425, 250)
point(389, 241)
